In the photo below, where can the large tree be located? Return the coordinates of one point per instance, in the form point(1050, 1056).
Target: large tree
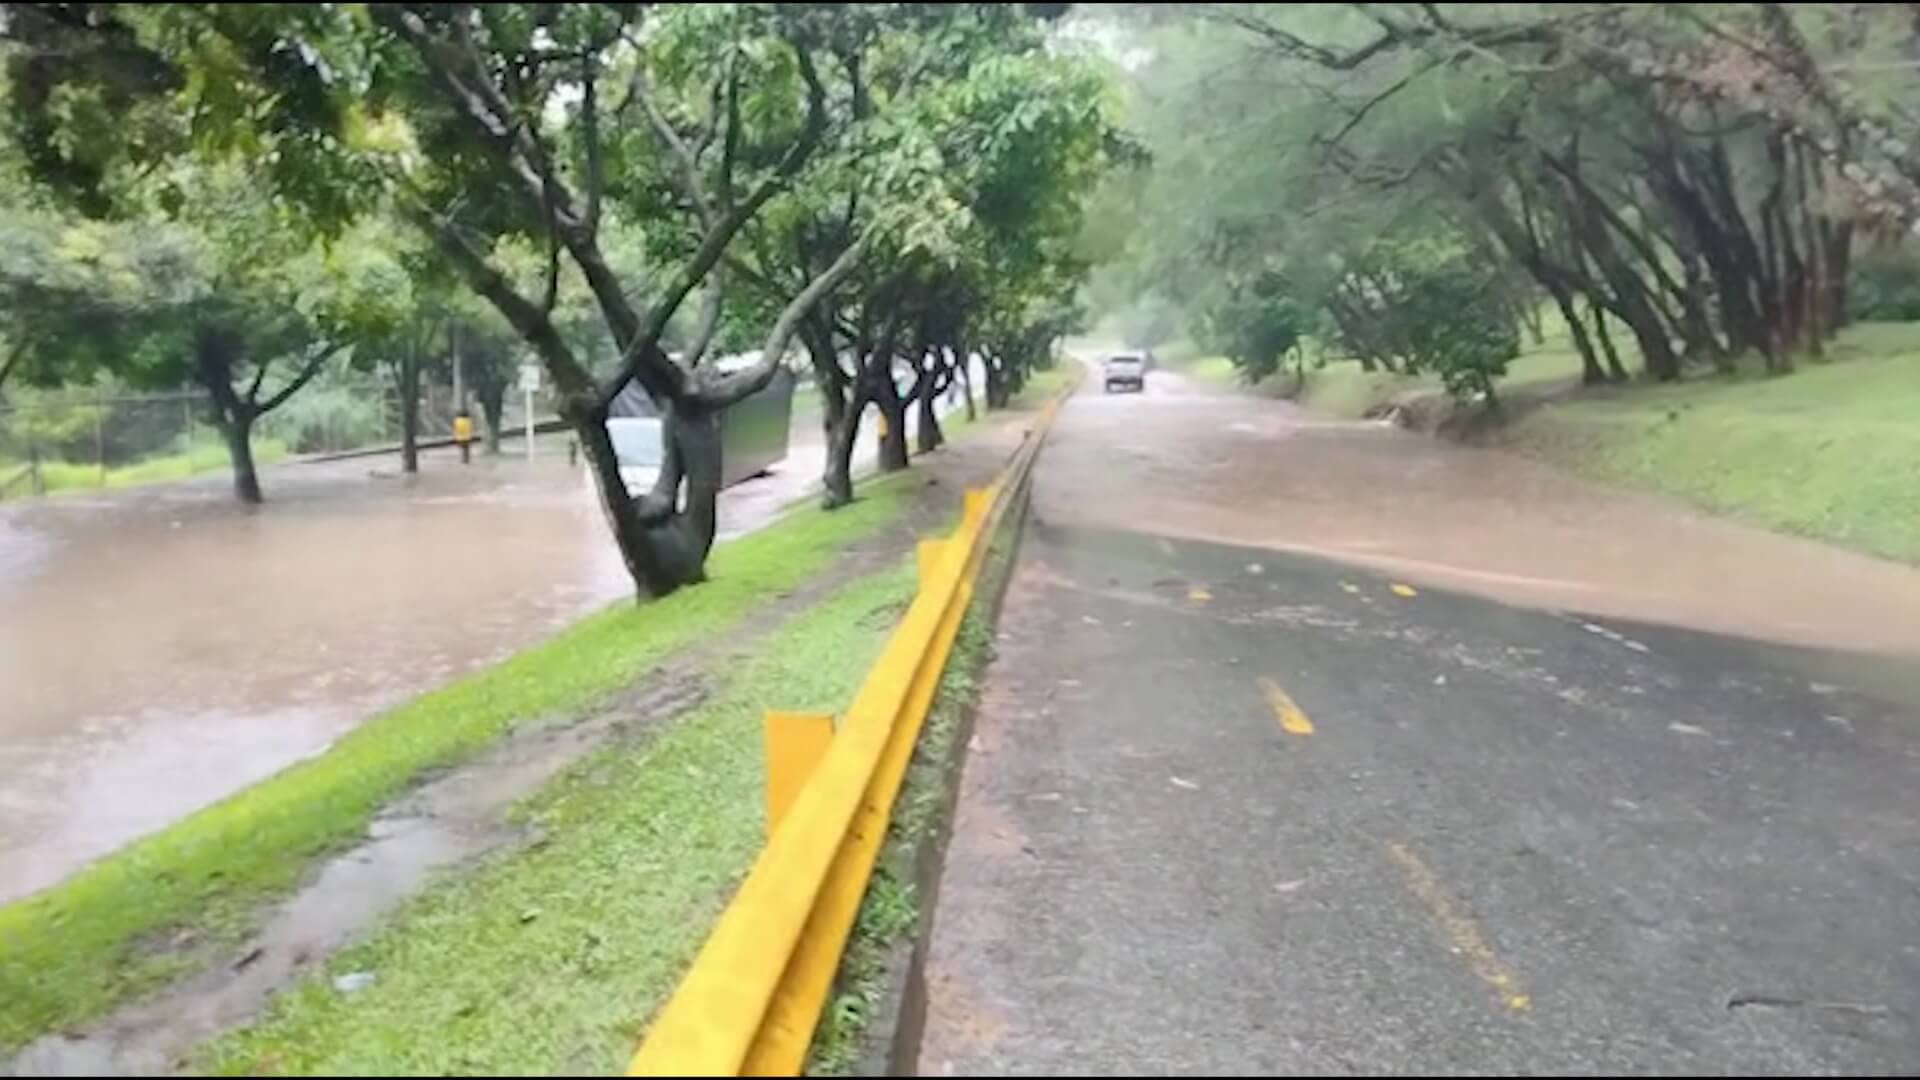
point(486, 126)
point(1000, 140)
point(1693, 174)
point(221, 290)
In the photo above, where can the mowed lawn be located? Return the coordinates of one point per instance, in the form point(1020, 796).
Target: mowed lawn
point(1831, 451)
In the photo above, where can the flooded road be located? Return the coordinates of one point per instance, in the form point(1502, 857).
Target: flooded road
point(1260, 783)
point(1190, 459)
point(163, 647)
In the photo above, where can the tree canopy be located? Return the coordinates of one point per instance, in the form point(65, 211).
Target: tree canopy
point(1696, 174)
point(623, 185)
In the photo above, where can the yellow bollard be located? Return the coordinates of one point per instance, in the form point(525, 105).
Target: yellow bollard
point(796, 741)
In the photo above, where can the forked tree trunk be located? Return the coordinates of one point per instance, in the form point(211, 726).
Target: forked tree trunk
point(663, 538)
point(886, 397)
point(930, 387)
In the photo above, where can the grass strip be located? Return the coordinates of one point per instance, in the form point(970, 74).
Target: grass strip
point(550, 959)
point(1830, 452)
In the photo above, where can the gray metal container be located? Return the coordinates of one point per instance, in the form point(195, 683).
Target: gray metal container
point(753, 431)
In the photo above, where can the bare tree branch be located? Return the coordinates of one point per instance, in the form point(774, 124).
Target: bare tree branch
point(646, 340)
point(709, 317)
point(1360, 114)
point(683, 159)
point(481, 100)
point(312, 368)
point(590, 130)
point(1296, 46)
point(714, 106)
point(14, 355)
point(259, 376)
point(730, 143)
point(721, 390)
point(533, 324)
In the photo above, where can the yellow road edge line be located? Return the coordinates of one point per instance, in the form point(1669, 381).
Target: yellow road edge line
point(1293, 720)
point(1460, 931)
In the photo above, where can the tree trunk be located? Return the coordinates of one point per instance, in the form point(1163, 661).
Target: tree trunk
point(1529, 313)
point(667, 547)
point(1590, 372)
point(407, 382)
point(1839, 243)
point(840, 405)
point(493, 406)
point(1633, 302)
point(929, 437)
point(215, 351)
point(997, 393)
point(238, 431)
point(1751, 263)
point(1813, 288)
point(886, 397)
point(837, 481)
point(1701, 338)
point(966, 377)
point(1616, 371)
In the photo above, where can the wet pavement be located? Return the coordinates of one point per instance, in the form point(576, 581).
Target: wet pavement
point(1289, 799)
point(163, 647)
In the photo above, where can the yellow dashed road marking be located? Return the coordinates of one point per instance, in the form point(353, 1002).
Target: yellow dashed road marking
point(1459, 929)
point(1292, 720)
point(1403, 590)
point(1199, 595)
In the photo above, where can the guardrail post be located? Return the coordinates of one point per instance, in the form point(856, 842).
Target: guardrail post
point(973, 505)
point(796, 741)
point(927, 556)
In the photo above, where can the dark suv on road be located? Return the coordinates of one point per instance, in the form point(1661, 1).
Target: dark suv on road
point(1126, 371)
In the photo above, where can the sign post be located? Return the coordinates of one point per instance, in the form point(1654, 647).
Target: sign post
point(529, 382)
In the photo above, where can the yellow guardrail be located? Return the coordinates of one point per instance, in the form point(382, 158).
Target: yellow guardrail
point(749, 1004)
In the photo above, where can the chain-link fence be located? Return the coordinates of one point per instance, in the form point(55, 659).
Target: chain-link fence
point(53, 440)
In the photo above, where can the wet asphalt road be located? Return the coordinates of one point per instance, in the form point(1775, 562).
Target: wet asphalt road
point(1230, 809)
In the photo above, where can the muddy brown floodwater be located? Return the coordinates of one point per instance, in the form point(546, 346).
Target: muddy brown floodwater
point(1188, 459)
point(163, 647)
